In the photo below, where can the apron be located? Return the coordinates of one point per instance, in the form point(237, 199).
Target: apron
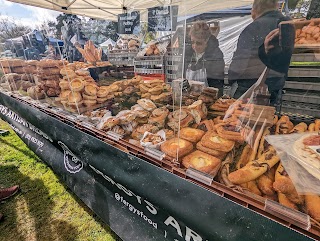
point(199, 75)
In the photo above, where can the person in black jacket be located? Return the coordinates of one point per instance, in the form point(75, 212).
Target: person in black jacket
point(246, 66)
point(204, 59)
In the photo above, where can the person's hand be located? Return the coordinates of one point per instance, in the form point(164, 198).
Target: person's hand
point(271, 40)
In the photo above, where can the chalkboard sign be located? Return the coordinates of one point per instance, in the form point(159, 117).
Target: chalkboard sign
point(162, 18)
point(128, 22)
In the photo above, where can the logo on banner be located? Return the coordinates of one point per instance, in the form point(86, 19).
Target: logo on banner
point(71, 162)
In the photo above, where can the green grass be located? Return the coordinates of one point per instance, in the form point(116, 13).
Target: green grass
point(44, 209)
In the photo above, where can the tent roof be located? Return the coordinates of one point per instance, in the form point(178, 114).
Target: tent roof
point(109, 9)
point(107, 42)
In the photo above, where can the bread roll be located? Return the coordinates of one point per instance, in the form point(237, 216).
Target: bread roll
point(313, 206)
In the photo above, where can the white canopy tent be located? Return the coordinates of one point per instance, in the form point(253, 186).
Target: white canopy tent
point(109, 9)
point(107, 42)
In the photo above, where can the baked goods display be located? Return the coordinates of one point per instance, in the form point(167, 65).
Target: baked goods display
point(127, 42)
point(307, 32)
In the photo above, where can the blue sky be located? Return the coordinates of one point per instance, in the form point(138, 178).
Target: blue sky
point(28, 15)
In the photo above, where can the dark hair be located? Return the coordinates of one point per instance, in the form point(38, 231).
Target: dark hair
point(200, 30)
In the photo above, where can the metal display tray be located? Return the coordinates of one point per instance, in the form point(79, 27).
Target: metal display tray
point(148, 71)
point(302, 85)
point(301, 97)
point(311, 110)
point(307, 57)
point(303, 72)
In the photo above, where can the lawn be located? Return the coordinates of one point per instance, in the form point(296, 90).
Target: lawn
point(44, 209)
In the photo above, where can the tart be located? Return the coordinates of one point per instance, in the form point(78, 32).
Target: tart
point(147, 104)
point(89, 102)
point(213, 141)
point(64, 85)
point(191, 134)
point(76, 85)
point(90, 89)
point(74, 97)
point(89, 97)
point(176, 145)
point(202, 162)
point(103, 91)
point(64, 95)
point(218, 154)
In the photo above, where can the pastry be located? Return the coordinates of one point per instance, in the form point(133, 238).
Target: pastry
point(213, 141)
point(284, 185)
point(300, 128)
point(286, 202)
point(317, 125)
point(222, 105)
point(176, 146)
point(89, 97)
point(64, 95)
point(88, 102)
point(313, 206)
point(147, 104)
point(182, 117)
point(155, 90)
point(265, 182)
point(126, 116)
point(191, 134)
point(254, 169)
point(90, 89)
point(158, 117)
point(140, 130)
point(284, 125)
point(202, 162)
point(76, 85)
point(74, 97)
point(64, 85)
point(110, 122)
point(206, 125)
point(232, 131)
point(218, 154)
point(103, 91)
point(199, 110)
point(312, 127)
point(169, 133)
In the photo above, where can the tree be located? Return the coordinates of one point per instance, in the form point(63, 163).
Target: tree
point(10, 28)
point(99, 30)
point(67, 18)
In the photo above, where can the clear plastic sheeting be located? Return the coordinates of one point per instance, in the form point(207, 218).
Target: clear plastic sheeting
point(300, 159)
point(230, 29)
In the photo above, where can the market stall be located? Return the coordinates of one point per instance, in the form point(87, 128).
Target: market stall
point(178, 161)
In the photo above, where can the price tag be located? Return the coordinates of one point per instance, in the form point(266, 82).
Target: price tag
point(154, 153)
point(114, 136)
point(199, 176)
point(297, 218)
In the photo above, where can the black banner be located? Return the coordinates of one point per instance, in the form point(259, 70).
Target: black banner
point(138, 200)
point(162, 18)
point(128, 23)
